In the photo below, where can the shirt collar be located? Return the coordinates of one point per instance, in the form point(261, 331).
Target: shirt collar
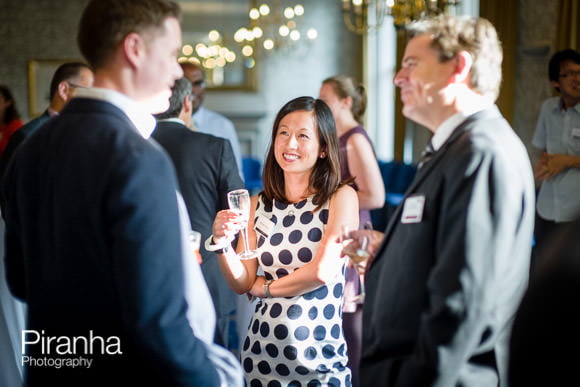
point(172, 119)
point(140, 117)
point(52, 112)
point(559, 107)
point(448, 126)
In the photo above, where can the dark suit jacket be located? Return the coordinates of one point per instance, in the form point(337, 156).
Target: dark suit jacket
point(441, 294)
point(206, 171)
point(547, 321)
point(93, 246)
point(18, 138)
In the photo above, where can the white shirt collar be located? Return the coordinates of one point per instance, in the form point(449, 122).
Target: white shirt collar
point(448, 126)
point(172, 119)
point(140, 117)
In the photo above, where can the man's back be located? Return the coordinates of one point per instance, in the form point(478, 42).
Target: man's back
point(91, 209)
point(210, 122)
point(206, 172)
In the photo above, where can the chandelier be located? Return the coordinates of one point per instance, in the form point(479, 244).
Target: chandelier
point(273, 26)
point(362, 16)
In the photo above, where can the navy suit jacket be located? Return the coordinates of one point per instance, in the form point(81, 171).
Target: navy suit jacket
point(442, 292)
point(18, 138)
point(206, 171)
point(93, 246)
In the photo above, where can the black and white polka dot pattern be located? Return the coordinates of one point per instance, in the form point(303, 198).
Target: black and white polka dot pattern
point(295, 341)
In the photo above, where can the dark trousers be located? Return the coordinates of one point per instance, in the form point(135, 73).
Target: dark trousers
point(544, 232)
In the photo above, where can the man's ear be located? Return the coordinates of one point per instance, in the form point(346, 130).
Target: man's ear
point(133, 48)
point(188, 104)
point(63, 90)
point(463, 63)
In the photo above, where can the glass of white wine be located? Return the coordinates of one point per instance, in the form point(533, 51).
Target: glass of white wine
point(239, 202)
point(357, 251)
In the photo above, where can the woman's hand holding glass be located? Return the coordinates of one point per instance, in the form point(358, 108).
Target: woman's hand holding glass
point(229, 222)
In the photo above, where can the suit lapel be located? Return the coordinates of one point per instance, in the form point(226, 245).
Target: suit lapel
point(426, 170)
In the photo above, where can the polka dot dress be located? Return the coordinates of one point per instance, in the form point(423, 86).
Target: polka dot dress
point(295, 341)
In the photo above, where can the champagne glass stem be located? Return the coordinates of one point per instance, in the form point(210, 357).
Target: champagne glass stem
point(245, 236)
point(362, 286)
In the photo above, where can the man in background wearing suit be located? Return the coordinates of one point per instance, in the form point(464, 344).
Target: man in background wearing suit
point(67, 78)
point(445, 283)
point(94, 238)
point(206, 171)
point(208, 121)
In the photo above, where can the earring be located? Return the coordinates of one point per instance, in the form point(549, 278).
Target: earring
point(322, 155)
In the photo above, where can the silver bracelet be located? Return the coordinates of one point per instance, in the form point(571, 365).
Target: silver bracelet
point(218, 249)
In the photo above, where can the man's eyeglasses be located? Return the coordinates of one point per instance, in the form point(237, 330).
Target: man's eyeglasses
point(71, 84)
point(200, 83)
point(570, 74)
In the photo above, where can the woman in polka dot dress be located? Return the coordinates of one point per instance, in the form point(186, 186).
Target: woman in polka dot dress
point(295, 336)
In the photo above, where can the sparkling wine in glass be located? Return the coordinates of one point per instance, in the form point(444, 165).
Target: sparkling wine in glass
point(239, 201)
point(357, 251)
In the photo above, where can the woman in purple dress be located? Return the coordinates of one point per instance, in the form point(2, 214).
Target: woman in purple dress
point(347, 101)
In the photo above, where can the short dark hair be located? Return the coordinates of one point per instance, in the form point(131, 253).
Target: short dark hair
point(179, 91)
point(325, 178)
point(105, 23)
point(11, 112)
point(556, 63)
point(65, 72)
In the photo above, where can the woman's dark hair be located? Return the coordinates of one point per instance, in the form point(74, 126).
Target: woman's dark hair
point(11, 113)
point(325, 177)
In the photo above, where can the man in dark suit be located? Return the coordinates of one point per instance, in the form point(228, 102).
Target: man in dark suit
point(206, 171)
point(66, 79)
point(445, 283)
point(93, 229)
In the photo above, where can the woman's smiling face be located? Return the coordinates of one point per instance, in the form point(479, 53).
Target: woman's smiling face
point(297, 145)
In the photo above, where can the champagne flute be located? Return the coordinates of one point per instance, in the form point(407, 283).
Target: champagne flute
point(357, 251)
point(239, 202)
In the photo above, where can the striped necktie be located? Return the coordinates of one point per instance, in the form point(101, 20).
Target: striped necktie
point(426, 155)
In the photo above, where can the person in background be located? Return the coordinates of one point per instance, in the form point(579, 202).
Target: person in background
point(96, 231)
point(346, 98)
point(10, 120)
point(206, 171)
point(558, 137)
point(66, 79)
point(295, 335)
point(546, 324)
point(445, 283)
point(208, 121)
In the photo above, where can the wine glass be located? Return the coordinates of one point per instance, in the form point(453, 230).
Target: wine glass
point(239, 202)
point(194, 241)
point(358, 253)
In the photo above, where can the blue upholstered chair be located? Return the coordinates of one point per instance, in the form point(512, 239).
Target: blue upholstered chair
point(397, 177)
point(252, 169)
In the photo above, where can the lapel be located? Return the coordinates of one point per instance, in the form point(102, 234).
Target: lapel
point(428, 168)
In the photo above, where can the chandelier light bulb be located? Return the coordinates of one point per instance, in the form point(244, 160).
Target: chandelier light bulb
point(257, 32)
point(187, 50)
point(284, 30)
point(299, 10)
point(214, 35)
point(312, 34)
point(264, 10)
point(295, 35)
point(288, 13)
point(254, 14)
point(268, 44)
point(247, 50)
